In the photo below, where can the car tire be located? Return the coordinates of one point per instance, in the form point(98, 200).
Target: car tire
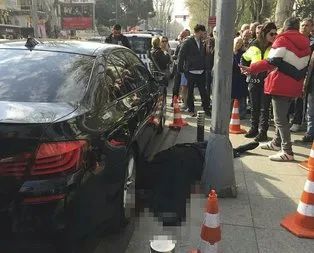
point(126, 198)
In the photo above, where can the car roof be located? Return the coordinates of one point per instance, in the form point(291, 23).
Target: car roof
point(64, 46)
point(142, 35)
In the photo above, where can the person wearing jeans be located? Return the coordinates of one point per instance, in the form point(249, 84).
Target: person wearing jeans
point(287, 62)
point(309, 90)
point(282, 134)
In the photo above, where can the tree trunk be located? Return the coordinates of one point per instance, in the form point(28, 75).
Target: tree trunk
point(283, 11)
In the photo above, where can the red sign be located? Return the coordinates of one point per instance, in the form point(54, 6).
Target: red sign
point(79, 23)
point(77, 16)
point(212, 21)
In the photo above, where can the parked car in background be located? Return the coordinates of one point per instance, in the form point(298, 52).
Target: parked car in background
point(141, 44)
point(100, 39)
point(173, 46)
point(76, 121)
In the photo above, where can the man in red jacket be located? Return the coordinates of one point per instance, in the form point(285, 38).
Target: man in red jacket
point(287, 63)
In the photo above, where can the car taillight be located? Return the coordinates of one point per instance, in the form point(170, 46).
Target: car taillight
point(58, 157)
point(14, 166)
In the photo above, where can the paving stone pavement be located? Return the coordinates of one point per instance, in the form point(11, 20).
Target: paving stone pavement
point(250, 223)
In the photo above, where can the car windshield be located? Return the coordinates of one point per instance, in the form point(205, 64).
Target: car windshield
point(41, 76)
point(140, 45)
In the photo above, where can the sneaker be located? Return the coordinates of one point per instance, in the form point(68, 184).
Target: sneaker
point(270, 146)
point(253, 132)
point(262, 136)
point(295, 128)
point(281, 156)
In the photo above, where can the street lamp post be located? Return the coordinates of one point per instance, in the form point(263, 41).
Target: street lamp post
point(117, 7)
point(218, 171)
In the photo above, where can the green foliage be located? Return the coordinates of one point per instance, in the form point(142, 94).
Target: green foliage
point(129, 11)
point(199, 11)
point(256, 10)
point(304, 8)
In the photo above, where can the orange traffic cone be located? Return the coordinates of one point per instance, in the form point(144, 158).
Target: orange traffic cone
point(178, 122)
point(234, 127)
point(301, 223)
point(309, 164)
point(210, 233)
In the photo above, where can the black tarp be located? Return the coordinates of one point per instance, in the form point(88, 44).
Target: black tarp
point(169, 178)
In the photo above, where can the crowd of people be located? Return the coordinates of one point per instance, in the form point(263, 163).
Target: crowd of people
point(271, 77)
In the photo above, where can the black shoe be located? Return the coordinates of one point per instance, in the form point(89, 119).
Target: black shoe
point(262, 136)
point(243, 148)
point(253, 132)
point(307, 138)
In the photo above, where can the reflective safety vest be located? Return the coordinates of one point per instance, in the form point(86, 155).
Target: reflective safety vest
point(254, 54)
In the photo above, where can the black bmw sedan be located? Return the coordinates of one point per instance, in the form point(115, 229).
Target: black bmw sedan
point(76, 120)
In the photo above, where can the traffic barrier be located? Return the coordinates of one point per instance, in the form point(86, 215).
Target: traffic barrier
point(210, 233)
point(309, 164)
point(235, 127)
point(301, 223)
point(178, 122)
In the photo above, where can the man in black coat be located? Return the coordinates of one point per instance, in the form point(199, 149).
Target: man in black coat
point(192, 62)
point(116, 37)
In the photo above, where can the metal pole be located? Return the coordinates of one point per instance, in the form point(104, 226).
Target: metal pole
point(218, 172)
point(35, 18)
point(117, 5)
point(212, 11)
point(200, 126)
point(94, 17)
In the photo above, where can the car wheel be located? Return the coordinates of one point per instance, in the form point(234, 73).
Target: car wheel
point(125, 202)
point(129, 187)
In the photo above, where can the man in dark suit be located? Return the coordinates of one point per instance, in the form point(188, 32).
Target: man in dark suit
point(192, 62)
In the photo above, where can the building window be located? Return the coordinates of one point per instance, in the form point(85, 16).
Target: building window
point(26, 5)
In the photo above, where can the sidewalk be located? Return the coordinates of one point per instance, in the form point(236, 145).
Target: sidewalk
point(267, 192)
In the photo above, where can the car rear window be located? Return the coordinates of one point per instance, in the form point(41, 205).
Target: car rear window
point(140, 45)
point(41, 76)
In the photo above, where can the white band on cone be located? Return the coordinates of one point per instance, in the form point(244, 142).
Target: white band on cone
point(206, 247)
point(177, 116)
point(234, 122)
point(312, 153)
point(305, 209)
point(211, 220)
point(235, 110)
point(309, 186)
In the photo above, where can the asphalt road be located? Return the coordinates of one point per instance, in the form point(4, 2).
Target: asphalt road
point(119, 243)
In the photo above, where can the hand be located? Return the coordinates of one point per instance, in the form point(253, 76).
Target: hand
point(244, 69)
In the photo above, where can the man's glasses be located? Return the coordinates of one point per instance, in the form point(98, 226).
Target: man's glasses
point(164, 41)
